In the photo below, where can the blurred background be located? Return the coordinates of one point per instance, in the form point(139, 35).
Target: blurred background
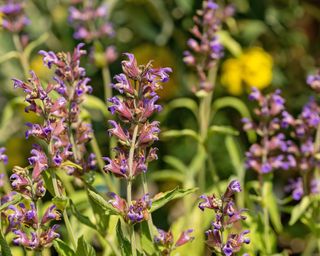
point(269, 44)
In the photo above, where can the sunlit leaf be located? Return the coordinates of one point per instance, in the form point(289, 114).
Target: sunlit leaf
point(84, 248)
point(5, 249)
point(270, 202)
point(125, 244)
point(163, 198)
point(62, 248)
point(82, 218)
point(299, 210)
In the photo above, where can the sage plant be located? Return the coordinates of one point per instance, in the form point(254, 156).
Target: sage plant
point(226, 217)
point(91, 23)
point(63, 133)
point(138, 86)
point(14, 18)
point(30, 230)
point(205, 51)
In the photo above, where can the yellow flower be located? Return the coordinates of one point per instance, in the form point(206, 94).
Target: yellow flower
point(1, 18)
point(253, 68)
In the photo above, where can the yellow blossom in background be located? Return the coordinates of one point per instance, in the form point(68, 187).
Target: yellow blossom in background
point(37, 66)
point(253, 68)
point(1, 18)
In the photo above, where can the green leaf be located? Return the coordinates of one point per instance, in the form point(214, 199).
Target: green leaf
point(71, 164)
point(48, 181)
point(180, 133)
point(176, 163)
point(8, 56)
point(299, 210)
point(167, 175)
point(229, 43)
point(93, 102)
point(238, 105)
point(163, 198)
point(34, 44)
point(16, 198)
point(146, 239)
point(124, 243)
point(270, 202)
point(5, 249)
point(61, 202)
point(99, 200)
point(101, 215)
point(197, 162)
point(227, 130)
point(235, 157)
point(82, 218)
point(62, 248)
point(84, 248)
point(180, 103)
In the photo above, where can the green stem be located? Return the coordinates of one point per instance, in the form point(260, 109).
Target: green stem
point(266, 222)
point(106, 82)
point(96, 150)
point(146, 191)
point(65, 215)
point(22, 56)
point(129, 186)
point(204, 120)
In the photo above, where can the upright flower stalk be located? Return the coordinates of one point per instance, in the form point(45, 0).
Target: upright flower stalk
point(135, 133)
point(91, 24)
point(226, 217)
point(203, 56)
point(274, 151)
point(63, 133)
point(14, 21)
point(31, 230)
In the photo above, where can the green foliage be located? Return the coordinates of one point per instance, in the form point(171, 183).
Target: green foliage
point(84, 248)
point(62, 248)
point(163, 198)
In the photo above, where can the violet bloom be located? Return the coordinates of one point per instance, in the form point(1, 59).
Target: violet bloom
point(138, 86)
point(205, 46)
point(226, 215)
point(134, 213)
point(14, 19)
point(314, 81)
point(90, 23)
point(60, 114)
point(165, 240)
point(3, 156)
point(273, 151)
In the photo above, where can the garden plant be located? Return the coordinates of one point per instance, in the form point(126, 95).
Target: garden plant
point(159, 127)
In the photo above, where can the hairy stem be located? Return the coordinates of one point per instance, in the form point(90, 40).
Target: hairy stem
point(65, 215)
point(129, 185)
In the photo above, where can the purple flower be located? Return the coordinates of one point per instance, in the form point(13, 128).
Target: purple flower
point(226, 215)
point(205, 46)
point(138, 211)
point(50, 214)
point(14, 19)
point(130, 66)
point(210, 202)
point(3, 156)
point(90, 23)
point(296, 188)
point(184, 238)
point(314, 82)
